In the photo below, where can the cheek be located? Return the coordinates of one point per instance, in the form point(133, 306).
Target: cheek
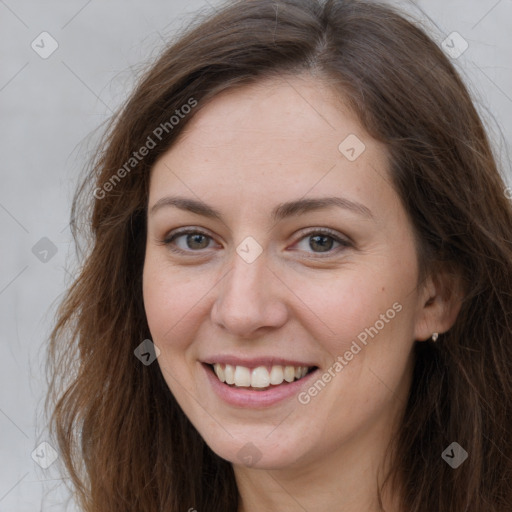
point(365, 317)
point(173, 298)
point(344, 307)
point(172, 302)
point(369, 314)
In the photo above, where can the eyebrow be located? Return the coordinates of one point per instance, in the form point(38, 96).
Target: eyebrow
point(282, 211)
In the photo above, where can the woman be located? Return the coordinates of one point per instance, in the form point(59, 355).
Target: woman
point(297, 293)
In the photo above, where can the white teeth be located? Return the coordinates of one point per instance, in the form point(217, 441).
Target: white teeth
point(229, 373)
point(242, 376)
point(289, 373)
point(276, 375)
point(259, 377)
point(220, 372)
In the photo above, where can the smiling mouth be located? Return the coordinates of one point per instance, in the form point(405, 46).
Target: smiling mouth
point(260, 378)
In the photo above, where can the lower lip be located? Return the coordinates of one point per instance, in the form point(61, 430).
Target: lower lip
point(245, 397)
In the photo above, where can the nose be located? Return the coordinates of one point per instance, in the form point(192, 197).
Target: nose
point(250, 300)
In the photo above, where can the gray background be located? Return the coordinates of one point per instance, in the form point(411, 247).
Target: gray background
point(49, 111)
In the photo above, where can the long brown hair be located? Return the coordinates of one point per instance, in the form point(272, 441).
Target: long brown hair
point(125, 442)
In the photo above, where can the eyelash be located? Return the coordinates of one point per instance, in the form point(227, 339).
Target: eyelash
point(168, 241)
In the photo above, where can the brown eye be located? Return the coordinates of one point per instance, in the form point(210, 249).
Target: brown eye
point(188, 241)
point(321, 242)
point(197, 241)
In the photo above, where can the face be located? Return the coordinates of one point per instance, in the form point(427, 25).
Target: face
point(278, 249)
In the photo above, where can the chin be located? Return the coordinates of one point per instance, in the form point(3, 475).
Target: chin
point(254, 447)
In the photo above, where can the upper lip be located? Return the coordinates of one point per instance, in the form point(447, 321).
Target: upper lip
point(254, 362)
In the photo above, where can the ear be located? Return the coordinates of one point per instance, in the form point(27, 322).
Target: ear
point(439, 303)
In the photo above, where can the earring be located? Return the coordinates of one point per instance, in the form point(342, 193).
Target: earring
point(435, 335)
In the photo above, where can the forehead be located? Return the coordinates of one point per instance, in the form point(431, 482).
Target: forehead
point(294, 109)
point(278, 138)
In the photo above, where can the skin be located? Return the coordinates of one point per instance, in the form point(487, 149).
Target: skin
point(244, 153)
